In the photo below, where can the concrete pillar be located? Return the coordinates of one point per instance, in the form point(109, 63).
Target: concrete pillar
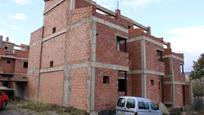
point(172, 83)
point(144, 67)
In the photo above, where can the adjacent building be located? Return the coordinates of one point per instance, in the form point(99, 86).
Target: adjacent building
point(13, 66)
point(86, 56)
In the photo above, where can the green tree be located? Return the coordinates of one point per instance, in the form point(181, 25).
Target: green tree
point(197, 77)
point(198, 69)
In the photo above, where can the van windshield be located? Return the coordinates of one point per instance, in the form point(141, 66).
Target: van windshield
point(121, 102)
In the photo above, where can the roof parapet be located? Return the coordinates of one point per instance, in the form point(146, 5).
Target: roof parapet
point(148, 29)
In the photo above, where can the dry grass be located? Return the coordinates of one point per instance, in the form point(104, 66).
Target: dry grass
point(45, 109)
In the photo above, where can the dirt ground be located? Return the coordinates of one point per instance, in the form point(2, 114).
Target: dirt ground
point(11, 110)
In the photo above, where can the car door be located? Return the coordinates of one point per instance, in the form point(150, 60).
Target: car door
point(130, 106)
point(120, 108)
point(143, 108)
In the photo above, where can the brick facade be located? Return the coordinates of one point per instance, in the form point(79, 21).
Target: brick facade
point(86, 56)
point(13, 66)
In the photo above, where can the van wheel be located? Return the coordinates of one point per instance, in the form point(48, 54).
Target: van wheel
point(4, 105)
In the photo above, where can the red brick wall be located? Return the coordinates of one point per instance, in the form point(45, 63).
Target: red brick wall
point(53, 50)
point(106, 94)
point(79, 88)
point(79, 44)
point(136, 85)
point(106, 50)
point(81, 4)
point(52, 18)
point(19, 68)
point(34, 63)
point(152, 59)
point(51, 87)
point(153, 91)
point(167, 93)
point(179, 96)
point(134, 55)
point(179, 76)
point(8, 67)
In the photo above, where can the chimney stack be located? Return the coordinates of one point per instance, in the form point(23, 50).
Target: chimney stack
point(7, 39)
point(117, 14)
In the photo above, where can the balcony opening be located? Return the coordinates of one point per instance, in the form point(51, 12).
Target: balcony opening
point(181, 69)
point(121, 44)
point(122, 82)
point(159, 55)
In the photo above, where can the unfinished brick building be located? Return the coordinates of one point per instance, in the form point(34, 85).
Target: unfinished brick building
point(13, 66)
point(86, 56)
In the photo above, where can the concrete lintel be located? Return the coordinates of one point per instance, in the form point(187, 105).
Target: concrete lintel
point(175, 83)
point(147, 72)
point(110, 24)
point(53, 69)
point(117, 34)
point(174, 57)
point(146, 39)
point(54, 35)
point(84, 65)
point(53, 6)
point(110, 66)
point(13, 57)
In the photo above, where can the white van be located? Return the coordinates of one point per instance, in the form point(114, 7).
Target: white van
point(136, 106)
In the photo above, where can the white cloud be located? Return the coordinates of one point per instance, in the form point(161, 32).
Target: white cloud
point(188, 40)
point(19, 16)
point(22, 2)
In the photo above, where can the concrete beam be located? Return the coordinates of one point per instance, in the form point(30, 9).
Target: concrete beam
point(174, 57)
point(13, 57)
point(146, 39)
point(147, 72)
point(109, 24)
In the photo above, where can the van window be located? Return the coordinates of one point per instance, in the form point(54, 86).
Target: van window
point(140, 105)
point(154, 106)
point(146, 105)
point(143, 105)
point(130, 103)
point(121, 102)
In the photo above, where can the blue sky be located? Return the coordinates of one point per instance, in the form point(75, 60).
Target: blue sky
point(180, 22)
